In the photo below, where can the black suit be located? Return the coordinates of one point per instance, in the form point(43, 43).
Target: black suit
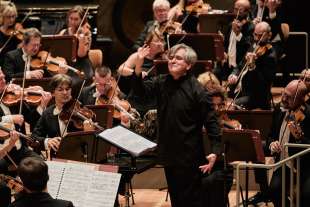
point(40, 199)
point(87, 95)
point(48, 126)
point(14, 64)
point(275, 184)
point(256, 84)
point(149, 27)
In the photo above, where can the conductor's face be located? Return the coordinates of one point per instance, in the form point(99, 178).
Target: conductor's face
point(177, 65)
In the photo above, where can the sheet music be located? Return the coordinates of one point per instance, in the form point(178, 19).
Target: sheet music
point(83, 184)
point(127, 140)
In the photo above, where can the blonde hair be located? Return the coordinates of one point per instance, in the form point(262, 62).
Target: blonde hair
point(161, 3)
point(6, 9)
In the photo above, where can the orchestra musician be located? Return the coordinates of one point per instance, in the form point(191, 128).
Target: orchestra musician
point(290, 125)
point(237, 40)
point(77, 25)
point(254, 76)
point(15, 60)
point(305, 77)
point(8, 16)
point(34, 176)
point(186, 12)
point(5, 198)
point(153, 50)
point(50, 129)
point(183, 107)
point(10, 115)
point(160, 11)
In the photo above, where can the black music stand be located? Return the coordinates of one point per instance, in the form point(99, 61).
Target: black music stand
point(60, 45)
point(208, 46)
point(213, 23)
point(242, 145)
point(78, 146)
point(161, 67)
point(43, 82)
point(254, 119)
point(135, 147)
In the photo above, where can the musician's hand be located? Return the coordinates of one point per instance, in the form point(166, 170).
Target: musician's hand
point(140, 55)
point(295, 130)
point(256, 21)
point(53, 143)
point(232, 79)
point(125, 121)
point(63, 69)
point(208, 167)
point(275, 147)
point(37, 74)
point(14, 136)
point(46, 97)
point(236, 27)
point(18, 119)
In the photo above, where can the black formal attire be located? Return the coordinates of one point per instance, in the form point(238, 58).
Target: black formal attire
point(48, 126)
point(12, 45)
point(5, 198)
point(149, 27)
point(275, 183)
point(40, 199)
point(183, 107)
point(256, 83)
point(14, 65)
point(242, 46)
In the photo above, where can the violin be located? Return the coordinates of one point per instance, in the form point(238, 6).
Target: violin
point(73, 111)
point(17, 30)
point(32, 95)
point(112, 97)
point(4, 134)
point(198, 7)
point(14, 184)
point(294, 119)
point(52, 64)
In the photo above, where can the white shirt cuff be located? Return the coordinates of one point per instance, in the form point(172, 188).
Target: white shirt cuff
point(46, 143)
point(239, 36)
point(7, 119)
point(40, 109)
point(28, 74)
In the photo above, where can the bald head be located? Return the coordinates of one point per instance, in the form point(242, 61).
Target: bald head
point(294, 94)
point(243, 3)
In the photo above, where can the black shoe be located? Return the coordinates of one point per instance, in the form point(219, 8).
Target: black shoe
point(257, 198)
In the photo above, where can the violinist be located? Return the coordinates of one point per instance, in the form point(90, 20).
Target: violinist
point(50, 125)
point(305, 77)
point(292, 116)
point(253, 76)
point(237, 40)
point(17, 60)
point(7, 28)
point(77, 25)
point(147, 53)
point(11, 117)
point(160, 12)
point(34, 176)
point(187, 11)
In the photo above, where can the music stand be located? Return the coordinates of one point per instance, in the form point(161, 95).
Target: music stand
point(104, 117)
point(60, 45)
point(208, 46)
point(250, 119)
point(213, 23)
point(161, 67)
point(43, 82)
point(242, 145)
point(78, 146)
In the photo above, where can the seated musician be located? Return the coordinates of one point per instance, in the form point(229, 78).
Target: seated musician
point(33, 174)
point(305, 77)
point(290, 125)
point(15, 60)
point(188, 11)
point(237, 39)
point(150, 52)
point(160, 11)
point(253, 78)
point(81, 30)
point(8, 16)
point(12, 119)
point(5, 198)
point(50, 127)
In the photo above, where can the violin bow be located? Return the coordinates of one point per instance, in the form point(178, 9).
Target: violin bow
point(72, 112)
point(11, 36)
point(243, 72)
point(83, 19)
